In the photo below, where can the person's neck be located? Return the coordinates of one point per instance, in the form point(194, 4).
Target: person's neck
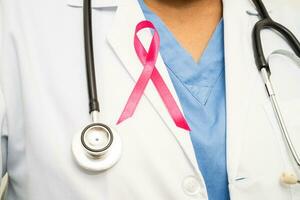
point(191, 21)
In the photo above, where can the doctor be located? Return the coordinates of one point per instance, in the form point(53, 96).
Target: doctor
point(230, 147)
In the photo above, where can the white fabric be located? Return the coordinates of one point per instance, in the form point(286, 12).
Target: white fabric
point(43, 104)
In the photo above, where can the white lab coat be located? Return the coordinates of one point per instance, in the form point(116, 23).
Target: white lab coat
point(44, 103)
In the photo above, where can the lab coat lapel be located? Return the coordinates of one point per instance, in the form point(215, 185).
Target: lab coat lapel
point(240, 73)
point(121, 38)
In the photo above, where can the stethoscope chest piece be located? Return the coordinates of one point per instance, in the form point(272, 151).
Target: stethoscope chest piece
point(97, 147)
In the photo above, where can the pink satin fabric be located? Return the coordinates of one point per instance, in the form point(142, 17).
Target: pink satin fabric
point(148, 59)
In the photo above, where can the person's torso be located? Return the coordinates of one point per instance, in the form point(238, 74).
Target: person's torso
point(44, 86)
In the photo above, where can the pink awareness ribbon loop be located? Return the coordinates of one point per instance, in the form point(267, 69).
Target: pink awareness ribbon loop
point(148, 59)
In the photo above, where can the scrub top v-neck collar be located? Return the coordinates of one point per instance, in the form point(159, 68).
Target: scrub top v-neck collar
point(198, 77)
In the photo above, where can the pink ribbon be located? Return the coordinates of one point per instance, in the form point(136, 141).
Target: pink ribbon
point(148, 59)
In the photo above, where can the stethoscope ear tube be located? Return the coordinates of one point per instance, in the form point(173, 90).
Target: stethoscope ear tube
point(264, 23)
point(89, 56)
point(278, 115)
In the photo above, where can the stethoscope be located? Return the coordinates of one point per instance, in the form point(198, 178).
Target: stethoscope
point(266, 22)
point(98, 146)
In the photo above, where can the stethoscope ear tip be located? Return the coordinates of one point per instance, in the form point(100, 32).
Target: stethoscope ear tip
point(289, 178)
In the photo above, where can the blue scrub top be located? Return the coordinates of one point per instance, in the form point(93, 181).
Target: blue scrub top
point(201, 90)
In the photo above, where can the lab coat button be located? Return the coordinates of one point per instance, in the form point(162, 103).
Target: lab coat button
point(191, 186)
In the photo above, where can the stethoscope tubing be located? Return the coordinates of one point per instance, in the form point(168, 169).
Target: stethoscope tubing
point(89, 57)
